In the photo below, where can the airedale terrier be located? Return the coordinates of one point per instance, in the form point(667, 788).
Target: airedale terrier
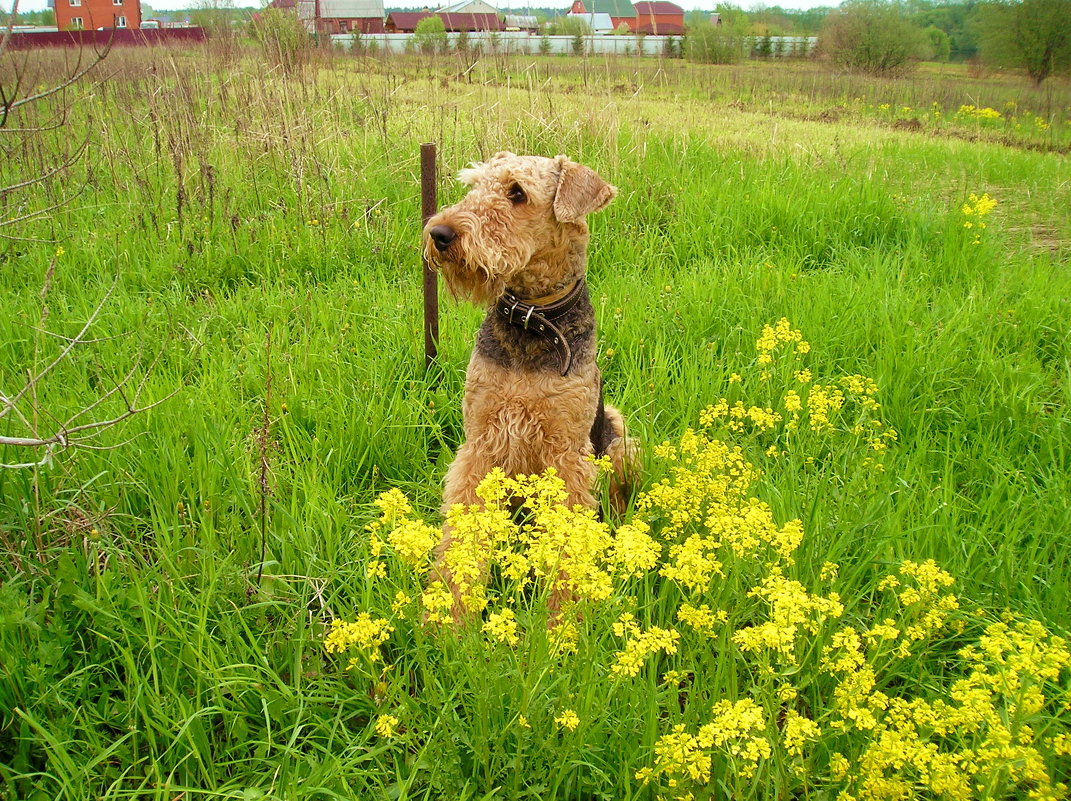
point(517, 242)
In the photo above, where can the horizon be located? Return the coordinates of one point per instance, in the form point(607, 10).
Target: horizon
point(510, 5)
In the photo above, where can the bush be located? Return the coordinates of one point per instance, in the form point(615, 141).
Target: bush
point(871, 36)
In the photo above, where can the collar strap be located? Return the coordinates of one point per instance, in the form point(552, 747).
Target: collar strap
point(538, 316)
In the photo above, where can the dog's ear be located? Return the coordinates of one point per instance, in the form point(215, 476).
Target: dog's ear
point(580, 191)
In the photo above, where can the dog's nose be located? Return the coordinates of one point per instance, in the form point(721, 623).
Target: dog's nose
point(442, 236)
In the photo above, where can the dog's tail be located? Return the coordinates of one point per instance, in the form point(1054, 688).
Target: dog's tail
point(624, 454)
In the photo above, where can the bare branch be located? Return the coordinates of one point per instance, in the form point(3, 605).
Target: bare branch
point(35, 379)
point(45, 176)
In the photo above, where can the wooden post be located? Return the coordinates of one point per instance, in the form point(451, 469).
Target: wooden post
point(429, 205)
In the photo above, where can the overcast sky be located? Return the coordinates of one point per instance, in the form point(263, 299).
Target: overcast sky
point(516, 5)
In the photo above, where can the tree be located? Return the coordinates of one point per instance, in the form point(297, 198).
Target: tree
point(871, 36)
point(1034, 35)
point(430, 35)
point(940, 43)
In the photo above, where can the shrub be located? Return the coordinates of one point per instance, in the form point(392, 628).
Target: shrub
point(871, 36)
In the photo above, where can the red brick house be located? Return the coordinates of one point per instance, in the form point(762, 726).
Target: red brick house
point(659, 18)
point(340, 16)
point(89, 15)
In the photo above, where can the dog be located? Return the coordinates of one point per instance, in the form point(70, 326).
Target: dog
point(517, 243)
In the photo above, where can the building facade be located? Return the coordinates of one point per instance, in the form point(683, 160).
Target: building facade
point(659, 18)
point(340, 16)
point(91, 15)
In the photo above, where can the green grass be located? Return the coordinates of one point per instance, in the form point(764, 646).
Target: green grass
point(231, 206)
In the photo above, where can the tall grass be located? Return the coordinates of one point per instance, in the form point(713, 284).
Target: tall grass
point(140, 657)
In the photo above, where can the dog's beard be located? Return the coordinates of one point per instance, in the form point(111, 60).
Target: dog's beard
point(474, 284)
point(480, 280)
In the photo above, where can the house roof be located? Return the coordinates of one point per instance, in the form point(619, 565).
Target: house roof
point(350, 9)
point(658, 7)
point(467, 7)
point(407, 21)
point(615, 8)
point(282, 4)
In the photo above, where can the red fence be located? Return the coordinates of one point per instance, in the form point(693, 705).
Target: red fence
point(98, 39)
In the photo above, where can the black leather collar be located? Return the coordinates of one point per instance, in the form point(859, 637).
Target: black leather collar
point(539, 319)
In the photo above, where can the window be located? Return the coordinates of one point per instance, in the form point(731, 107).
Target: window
point(343, 26)
point(117, 2)
point(120, 22)
point(76, 23)
point(76, 2)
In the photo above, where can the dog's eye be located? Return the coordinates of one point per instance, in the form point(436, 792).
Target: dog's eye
point(516, 195)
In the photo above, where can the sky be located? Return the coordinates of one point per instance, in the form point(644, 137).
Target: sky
point(687, 5)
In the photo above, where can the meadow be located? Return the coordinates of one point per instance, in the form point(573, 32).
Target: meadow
point(845, 574)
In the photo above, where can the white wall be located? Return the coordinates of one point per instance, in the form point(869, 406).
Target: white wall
point(525, 43)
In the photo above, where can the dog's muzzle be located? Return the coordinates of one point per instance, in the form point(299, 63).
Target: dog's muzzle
point(443, 236)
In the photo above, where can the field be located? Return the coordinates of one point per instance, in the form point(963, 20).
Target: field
point(251, 240)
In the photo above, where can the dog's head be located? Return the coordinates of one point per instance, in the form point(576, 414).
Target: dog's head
point(521, 226)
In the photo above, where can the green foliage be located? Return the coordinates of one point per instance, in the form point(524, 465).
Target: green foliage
point(579, 44)
point(871, 36)
point(568, 26)
point(710, 44)
point(939, 42)
point(283, 40)
point(1033, 35)
point(430, 35)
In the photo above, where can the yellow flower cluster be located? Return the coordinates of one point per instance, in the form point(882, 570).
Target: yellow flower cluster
point(365, 633)
point(411, 539)
point(977, 207)
point(775, 335)
point(979, 112)
point(640, 644)
point(738, 416)
point(736, 730)
point(981, 741)
point(568, 719)
point(502, 627)
point(386, 726)
point(702, 618)
point(793, 613)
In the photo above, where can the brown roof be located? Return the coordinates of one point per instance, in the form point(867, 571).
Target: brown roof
point(282, 4)
point(659, 7)
point(407, 21)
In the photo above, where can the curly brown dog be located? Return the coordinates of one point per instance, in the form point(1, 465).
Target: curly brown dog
point(517, 242)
